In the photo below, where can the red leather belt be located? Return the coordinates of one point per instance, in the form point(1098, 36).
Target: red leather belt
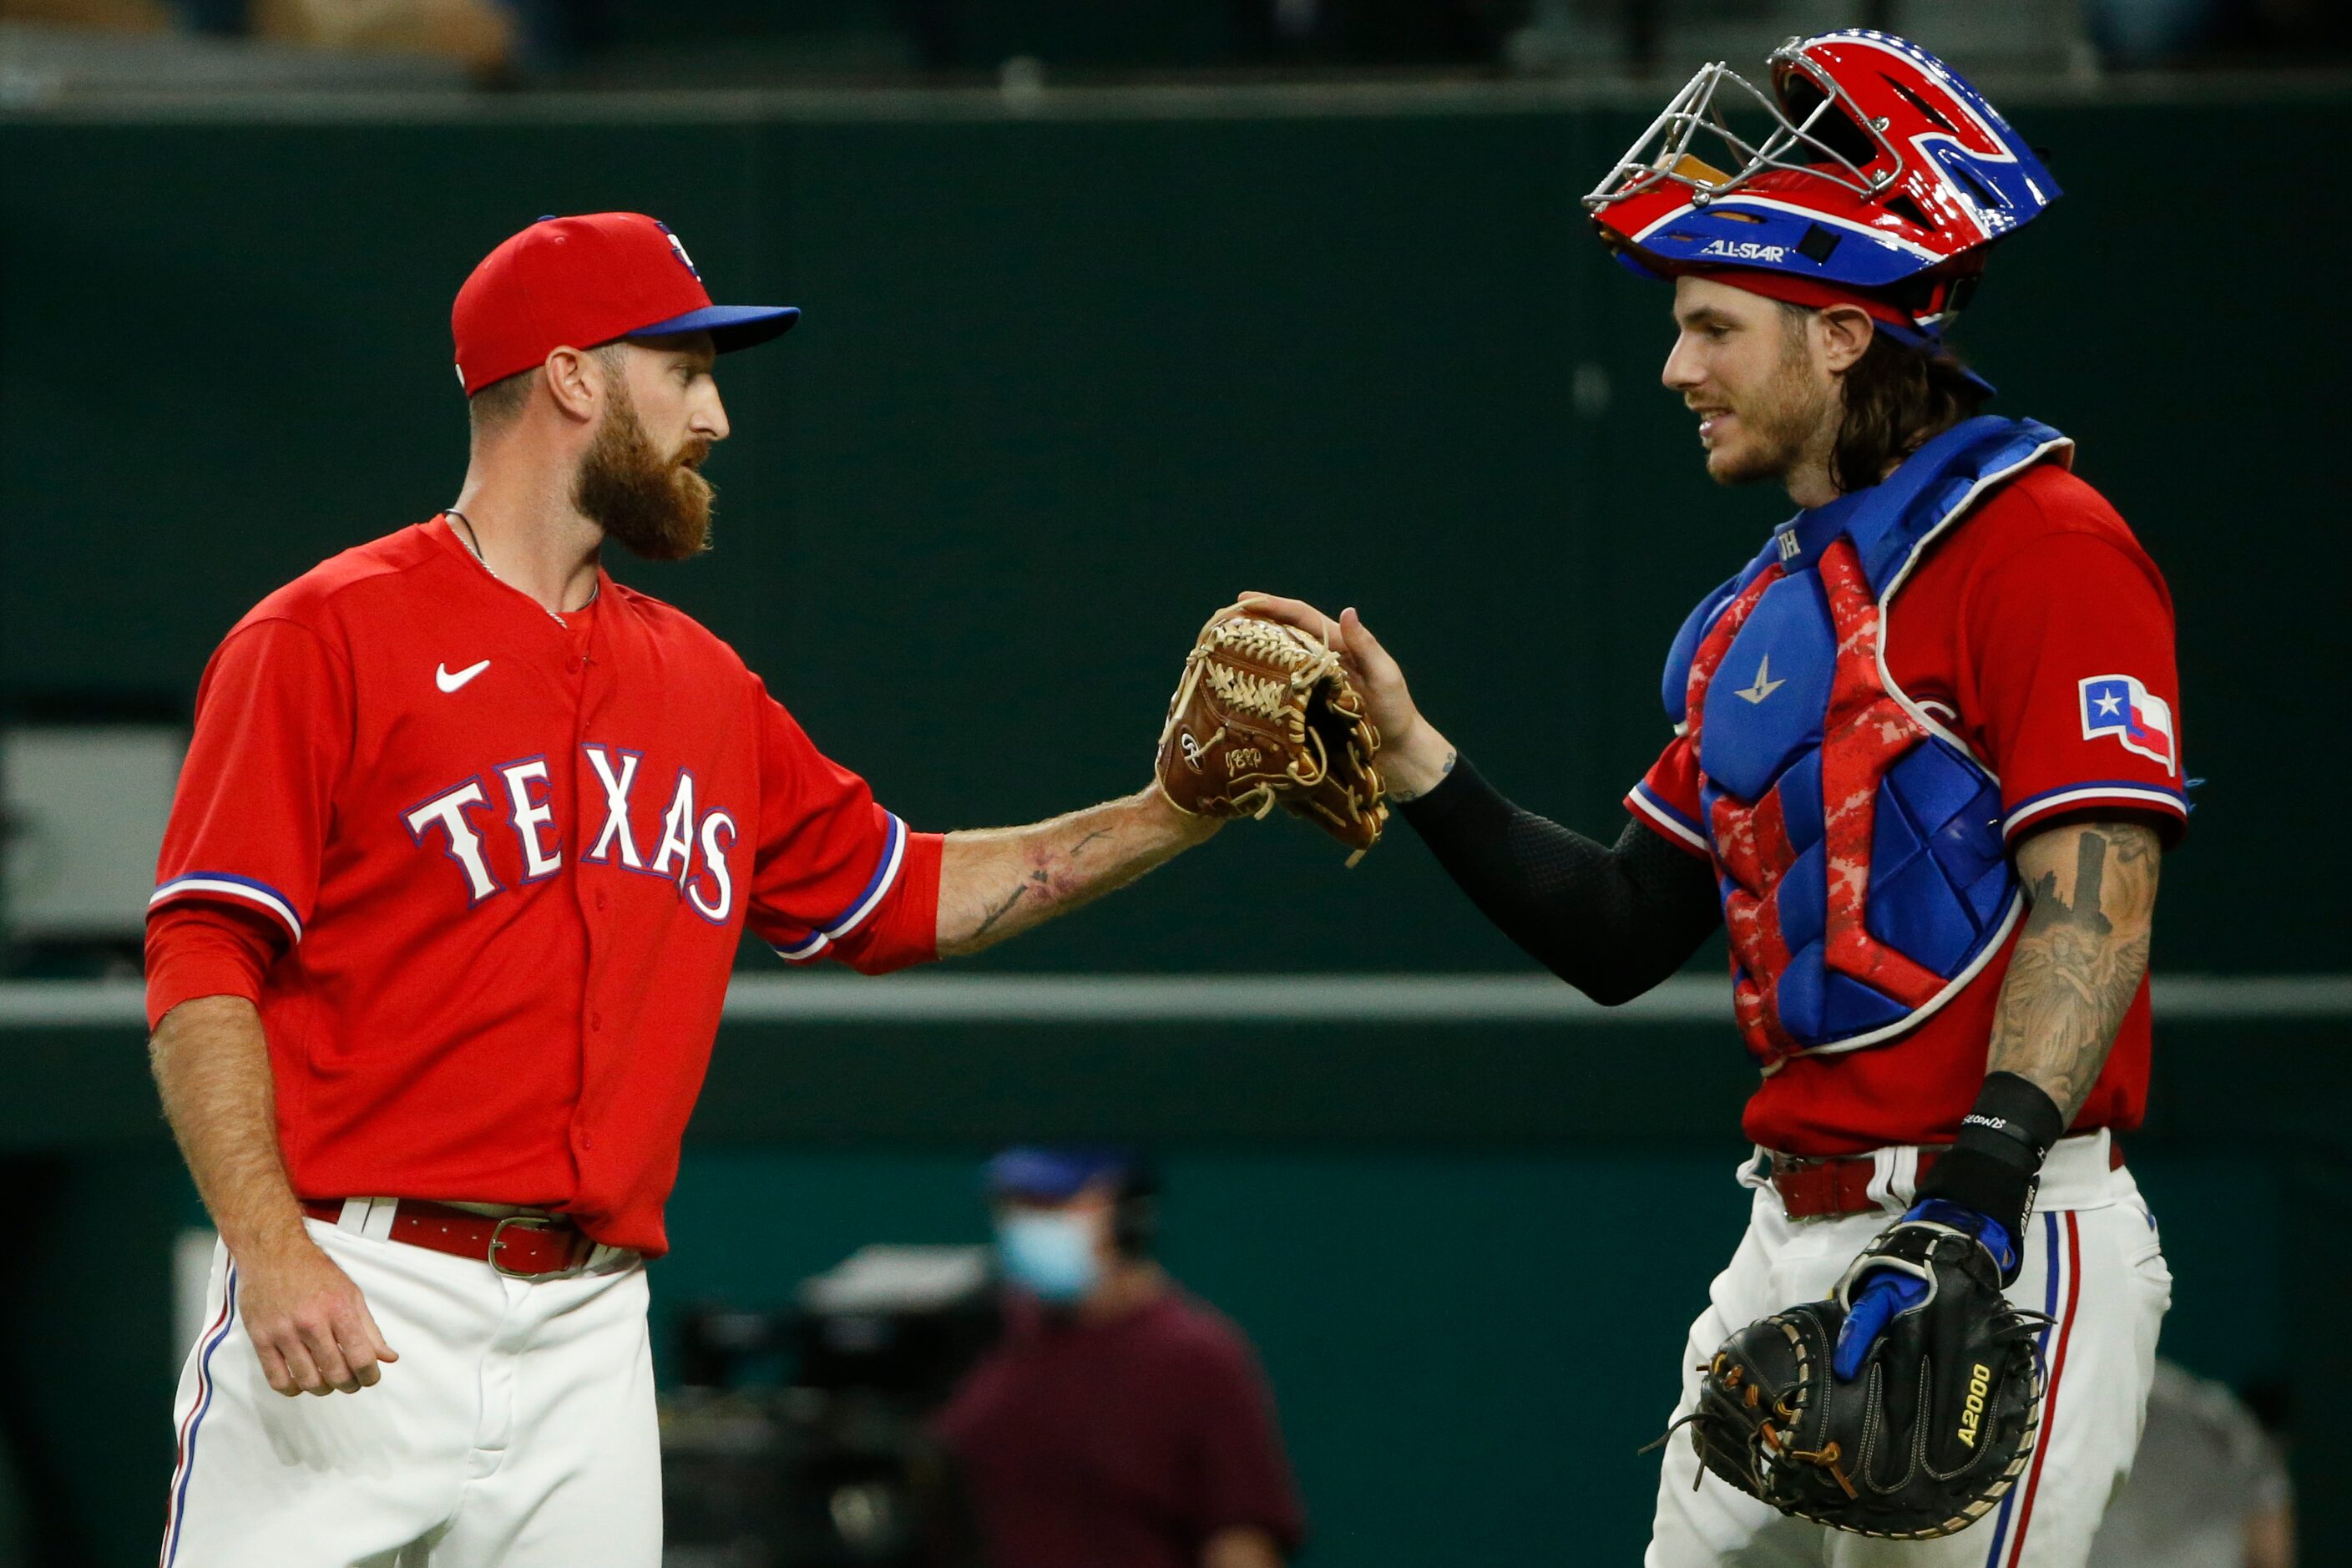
point(525, 1246)
point(1811, 1188)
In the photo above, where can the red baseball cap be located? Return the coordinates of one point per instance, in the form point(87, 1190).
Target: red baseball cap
point(583, 282)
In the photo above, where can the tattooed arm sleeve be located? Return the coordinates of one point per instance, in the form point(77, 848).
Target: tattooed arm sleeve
point(2078, 965)
point(2075, 971)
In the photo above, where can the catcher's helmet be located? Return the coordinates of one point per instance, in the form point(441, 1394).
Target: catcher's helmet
point(1878, 169)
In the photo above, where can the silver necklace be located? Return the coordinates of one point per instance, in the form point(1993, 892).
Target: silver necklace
point(475, 544)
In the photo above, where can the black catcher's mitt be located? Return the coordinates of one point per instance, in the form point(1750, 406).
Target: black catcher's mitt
point(1923, 1442)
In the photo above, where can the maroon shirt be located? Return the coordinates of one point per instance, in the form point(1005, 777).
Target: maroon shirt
point(1128, 1444)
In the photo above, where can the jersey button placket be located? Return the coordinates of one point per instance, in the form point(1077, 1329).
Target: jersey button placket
point(583, 1139)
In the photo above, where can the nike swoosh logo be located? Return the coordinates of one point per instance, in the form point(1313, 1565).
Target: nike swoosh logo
point(448, 682)
point(1765, 685)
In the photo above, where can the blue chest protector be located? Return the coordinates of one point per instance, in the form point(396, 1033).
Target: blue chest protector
point(1857, 843)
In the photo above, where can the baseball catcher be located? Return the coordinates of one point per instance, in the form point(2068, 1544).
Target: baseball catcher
point(1921, 763)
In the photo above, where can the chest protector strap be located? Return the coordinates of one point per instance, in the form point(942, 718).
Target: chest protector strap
point(1856, 840)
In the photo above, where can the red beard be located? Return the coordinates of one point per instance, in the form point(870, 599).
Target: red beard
point(657, 507)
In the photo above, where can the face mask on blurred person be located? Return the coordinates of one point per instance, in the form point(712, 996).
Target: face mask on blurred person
point(1051, 1255)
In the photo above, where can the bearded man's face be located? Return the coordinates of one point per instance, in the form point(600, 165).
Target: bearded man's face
point(1748, 369)
point(653, 503)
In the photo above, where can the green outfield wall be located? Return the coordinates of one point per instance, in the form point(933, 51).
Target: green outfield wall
point(1066, 381)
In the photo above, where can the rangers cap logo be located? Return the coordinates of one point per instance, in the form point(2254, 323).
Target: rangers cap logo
point(677, 248)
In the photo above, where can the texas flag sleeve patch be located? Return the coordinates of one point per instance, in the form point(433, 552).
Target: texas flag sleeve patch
point(2120, 707)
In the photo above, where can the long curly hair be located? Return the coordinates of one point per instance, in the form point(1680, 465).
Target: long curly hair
point(1898, 399)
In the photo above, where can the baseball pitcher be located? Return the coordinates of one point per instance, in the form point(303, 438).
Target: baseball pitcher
point(462, 850)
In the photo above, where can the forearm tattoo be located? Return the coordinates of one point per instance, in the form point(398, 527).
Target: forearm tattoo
point(1052, 875)
point(1399, 797)
point(997, 882)
point(2078, 963)
point(1002, 908)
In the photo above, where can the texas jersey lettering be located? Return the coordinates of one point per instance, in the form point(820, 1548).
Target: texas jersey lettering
point(691, 850)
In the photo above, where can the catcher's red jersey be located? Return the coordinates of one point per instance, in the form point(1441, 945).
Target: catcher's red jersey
point(511, 856)
point(2041, 635)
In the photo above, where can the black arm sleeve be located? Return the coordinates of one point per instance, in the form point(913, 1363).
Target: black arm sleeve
point(1612, 921)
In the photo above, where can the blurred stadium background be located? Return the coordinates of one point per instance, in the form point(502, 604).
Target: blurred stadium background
point(1109, 309)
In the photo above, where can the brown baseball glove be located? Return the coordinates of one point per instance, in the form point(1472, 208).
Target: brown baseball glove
point(1266, 715)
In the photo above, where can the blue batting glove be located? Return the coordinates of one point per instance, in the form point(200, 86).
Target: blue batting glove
point(1886, 1292)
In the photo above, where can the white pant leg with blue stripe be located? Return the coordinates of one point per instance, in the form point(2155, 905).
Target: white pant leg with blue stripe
point(2092, 1263)
point(517, 1428)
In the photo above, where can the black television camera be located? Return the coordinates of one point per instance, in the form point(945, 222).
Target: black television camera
point(797, 1438)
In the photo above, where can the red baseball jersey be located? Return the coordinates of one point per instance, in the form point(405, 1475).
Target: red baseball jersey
point(511, 856)
point(2040, 633)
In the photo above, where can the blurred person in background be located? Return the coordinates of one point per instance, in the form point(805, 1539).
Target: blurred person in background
point(2140, 33)
point(1121, 1420)
point(2176, 34)
point(2210, 1487)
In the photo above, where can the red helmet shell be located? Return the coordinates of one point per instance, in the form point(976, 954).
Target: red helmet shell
point(1882, 165)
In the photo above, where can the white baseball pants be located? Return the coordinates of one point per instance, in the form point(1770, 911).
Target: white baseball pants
point(2092, 1262)
point(517, 1428)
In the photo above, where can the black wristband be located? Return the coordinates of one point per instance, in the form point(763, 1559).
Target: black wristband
point(2013, 1121)
point(1975, 1180)
point(1995, 1160)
